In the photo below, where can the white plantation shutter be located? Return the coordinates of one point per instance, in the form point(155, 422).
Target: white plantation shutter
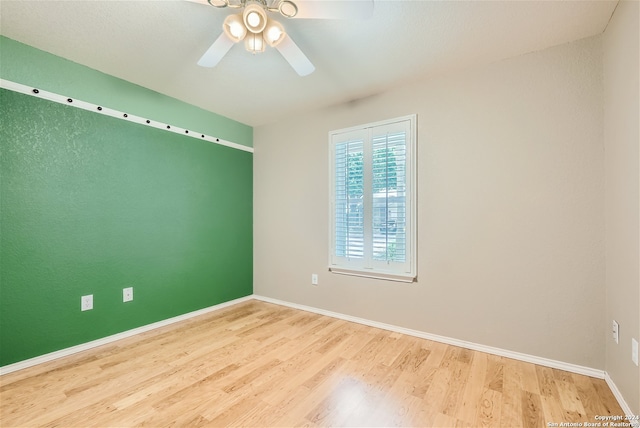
point(389, 197)
point(349, 226)
point(373, 200)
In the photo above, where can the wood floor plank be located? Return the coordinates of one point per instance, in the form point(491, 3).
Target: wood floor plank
point(532, 413)
point(569, 397)
point(437, 352)
point(300, 409)
point(511, 414)
point(606, 400)
point(489, 409)
point(422, 381)
point(552, 409)
point(373, 386)
point(277, 415)
point(309, 368)
point(546, 382)
point(494, 379)
point(453, 400)
point(529, 377)
point(435, 395)
point(467, 409)
point(359, 337)
point(260, 364)
point(338, 405)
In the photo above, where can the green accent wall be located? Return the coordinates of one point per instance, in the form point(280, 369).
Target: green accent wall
point(33, 67)
point(91, 204)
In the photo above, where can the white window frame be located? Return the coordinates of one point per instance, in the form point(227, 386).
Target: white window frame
point(366, 266)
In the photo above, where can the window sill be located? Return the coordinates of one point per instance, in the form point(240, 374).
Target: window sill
point(407, 278)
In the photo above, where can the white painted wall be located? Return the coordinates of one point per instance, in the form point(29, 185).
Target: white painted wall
point(510, 207)
point(622, 190)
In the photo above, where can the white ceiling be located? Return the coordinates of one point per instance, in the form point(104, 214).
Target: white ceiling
point(156, 44)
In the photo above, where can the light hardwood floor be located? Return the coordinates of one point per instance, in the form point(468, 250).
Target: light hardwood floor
point(258, 364)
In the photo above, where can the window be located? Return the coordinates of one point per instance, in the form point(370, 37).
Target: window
point(373, 200)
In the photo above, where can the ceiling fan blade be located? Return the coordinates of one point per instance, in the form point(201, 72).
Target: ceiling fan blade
point(216, 52)
point(292, 53)
point(334, 9)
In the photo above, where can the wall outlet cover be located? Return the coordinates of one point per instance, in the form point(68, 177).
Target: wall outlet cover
point(127, 294)
point(86, 302)
point(634, 351)
point(615, 330)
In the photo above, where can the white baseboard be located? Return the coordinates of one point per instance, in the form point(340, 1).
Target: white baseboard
point(573, 368)
point(109, 339)
point(625, 406)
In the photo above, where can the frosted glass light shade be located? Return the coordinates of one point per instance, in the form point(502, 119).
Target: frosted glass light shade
point(234, 28)
point(254, 17)
point(274, 33)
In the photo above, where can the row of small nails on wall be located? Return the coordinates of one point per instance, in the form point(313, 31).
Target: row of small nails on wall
point(70, 100)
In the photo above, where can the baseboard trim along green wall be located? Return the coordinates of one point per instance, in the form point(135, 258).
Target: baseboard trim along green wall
point(114, 338)
point(92, 202)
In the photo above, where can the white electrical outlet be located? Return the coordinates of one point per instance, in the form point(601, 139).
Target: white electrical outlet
point(634, 351)
point(614, 332)
point(314, 279)
point(127, 294)
point(86, 302)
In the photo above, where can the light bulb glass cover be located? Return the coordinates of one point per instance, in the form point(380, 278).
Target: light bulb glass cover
point(254, 17)
point(234, 27)
point(254, 43)
point(274, 33)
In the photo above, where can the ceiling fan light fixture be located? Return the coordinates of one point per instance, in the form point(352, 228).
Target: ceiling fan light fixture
point(287, 8)
point(257, 30)
point(234, 28)
point(254, 17)
point(274, 33)
point(254, 43)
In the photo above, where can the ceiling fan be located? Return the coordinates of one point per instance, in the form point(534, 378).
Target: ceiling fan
point(255, 27)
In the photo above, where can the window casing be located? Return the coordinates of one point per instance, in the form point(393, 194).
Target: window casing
point(373, 200)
